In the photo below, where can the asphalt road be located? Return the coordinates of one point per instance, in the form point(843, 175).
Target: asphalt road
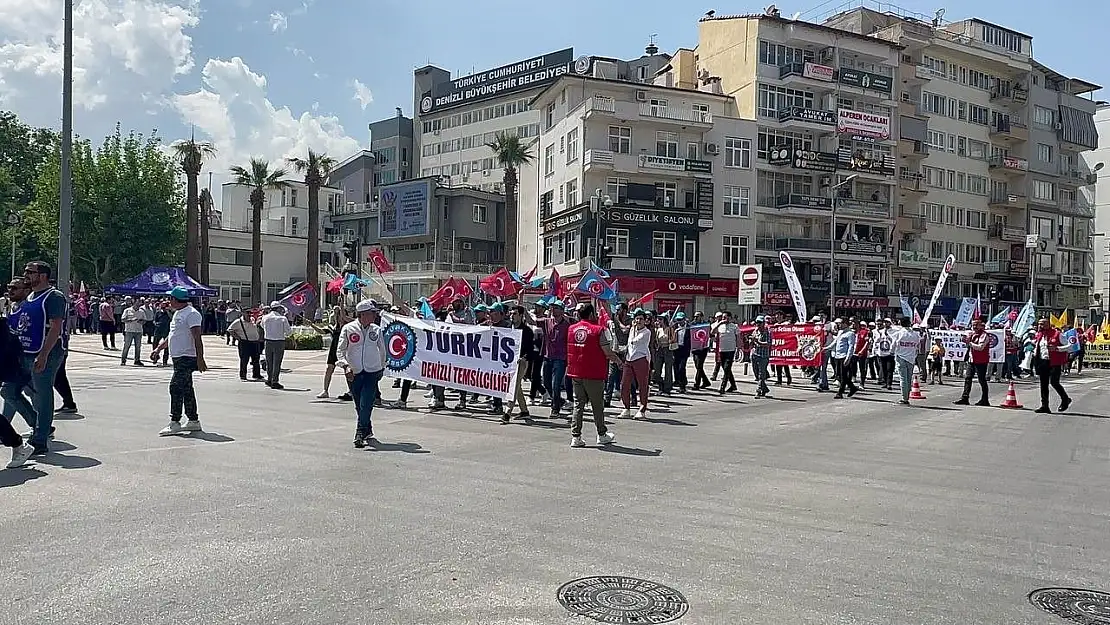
point(797, 509)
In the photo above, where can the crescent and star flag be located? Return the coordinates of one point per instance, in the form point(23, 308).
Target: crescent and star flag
point(335, 285)
point(500, 284)
point(793, 285)
point(647, 299)
point(555, 286)
point(598, 270)
point(426, 311)
point(904, 301)
point(300, 300)
point(380, 262)
point(594, 285)
point(1001, 316)
point(353, 283)
point(602, 313)
point(699, 336)
point(949, 264)
point(451, 290)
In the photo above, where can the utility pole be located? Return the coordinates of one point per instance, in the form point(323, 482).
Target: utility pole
point(65, 193)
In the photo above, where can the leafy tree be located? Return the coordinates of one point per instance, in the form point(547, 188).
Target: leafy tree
point(511, 152)
point(315, 169)
point(260, 178)
point(23, 151)
point(128, 207)
point(191, 155)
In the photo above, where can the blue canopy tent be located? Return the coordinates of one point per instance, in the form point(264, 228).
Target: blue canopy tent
point(159, 280)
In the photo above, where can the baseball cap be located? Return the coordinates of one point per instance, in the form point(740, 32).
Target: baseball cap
point(179, 293)
point(557, 303)
point(498, 307)
point(481, 308)
point(760, 319)
point(365, 305)
point(680, 315)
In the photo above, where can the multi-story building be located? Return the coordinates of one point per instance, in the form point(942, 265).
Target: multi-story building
point(662, 174)
point(284, 211)
point(1001, 160)
point(824, 100)
point(392, 142)
point(1095, 161)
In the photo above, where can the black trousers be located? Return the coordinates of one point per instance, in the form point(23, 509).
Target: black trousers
point(61, 384)
point(681, 357)
point(886, 364)
point(535, 375)
point(779, 370)
point(700, 379)
point(1049, 376)
point(8, 436)
point(108, 330)
point(249, 352)
point(845, 371)
point(727, 381)
point(973, 370)
point(182, 394)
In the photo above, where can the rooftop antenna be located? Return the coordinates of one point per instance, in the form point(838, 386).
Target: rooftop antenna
point(938, 18)
point(796, 15)
point(651, 48)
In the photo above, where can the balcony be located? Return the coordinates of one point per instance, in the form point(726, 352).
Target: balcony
point(1009, 165)
point(601, 104)
point(912, 108)
point(863, 208)
point(852, 248)
point(1007, 200)
point(351, 208)
point(812, 119)
point(1076, 241)
point(1009, 234)
point(912, 183)
point(1015, 96)
point(450, 268)
point(655, 265)
point(598, 158)
point(797, 200)
point(1077, 209)
point(1076, 178)
point(681, 115)
point(1009, 130)
point(910, 148)
point(911, 222)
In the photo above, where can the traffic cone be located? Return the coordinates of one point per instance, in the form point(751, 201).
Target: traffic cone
point(915, 390)
point(1011, 399)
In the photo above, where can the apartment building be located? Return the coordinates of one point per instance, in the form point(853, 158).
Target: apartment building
point(1100, 202)
point(1001, 160)
point(827, 127)
point(284, 211)
point(663, 175)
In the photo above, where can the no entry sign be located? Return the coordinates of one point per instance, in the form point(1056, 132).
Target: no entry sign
point(751, 285)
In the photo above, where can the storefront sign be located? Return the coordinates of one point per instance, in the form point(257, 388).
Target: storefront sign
point(703, 199)
point(860, 303)
point(777, 298)
point(870, 163)
point(1074, 280)
point(797, 200)
point(866, 80)
point(492, 83)
point(863, 207)
point(788, 155)
point(862, 287)
point(818, 72)
point(699, 167)
point(648, 161)
point(671, 304)
point(564, 220)
point(908, 259)
point(649, 217)
point(723, 288)
point(802, 114)
point(863, 247)
point(862, 125)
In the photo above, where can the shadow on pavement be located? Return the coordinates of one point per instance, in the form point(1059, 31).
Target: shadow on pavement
point(1082, 414)
point(295, 390)
point(61, 446)
point(20, 476)
point(785, 399)
point(68, 462)
point(670, 422)
point(630, 451)
point(211, 437)
point(405, 448)
point(68, 416)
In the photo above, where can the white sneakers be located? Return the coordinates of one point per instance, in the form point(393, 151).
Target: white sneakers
point(602, 439)
point(577, 442)
point(20, 455)
point(641, 414)
point(322, 395)
point(626, 414)
point(175, 427)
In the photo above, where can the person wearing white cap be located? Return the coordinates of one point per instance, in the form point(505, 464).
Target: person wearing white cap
point(275, 329)
point(362, 356)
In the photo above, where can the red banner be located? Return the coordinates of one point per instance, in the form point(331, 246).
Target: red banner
point(797, 345)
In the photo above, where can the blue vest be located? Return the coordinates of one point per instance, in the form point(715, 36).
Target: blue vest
point(31, 322)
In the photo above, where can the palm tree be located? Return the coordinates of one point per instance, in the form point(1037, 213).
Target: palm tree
point(191, 154)
point(205, 221)
point(511, 152)
point(315, 169)
point(260, 178)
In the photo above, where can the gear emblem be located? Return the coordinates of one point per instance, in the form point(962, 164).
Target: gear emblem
point(400, 346)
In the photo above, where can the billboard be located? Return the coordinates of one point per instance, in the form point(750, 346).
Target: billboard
point(404, 208)
point(492, 83)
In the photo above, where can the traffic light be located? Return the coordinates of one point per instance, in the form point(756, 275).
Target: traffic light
point(995, 298)
point(350, 250)
point(603, 254)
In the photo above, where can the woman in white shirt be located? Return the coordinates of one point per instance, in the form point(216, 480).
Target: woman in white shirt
point(637, 365)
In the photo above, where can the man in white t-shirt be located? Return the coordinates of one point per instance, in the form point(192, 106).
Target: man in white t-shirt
point(187, 352)
point(906, 343)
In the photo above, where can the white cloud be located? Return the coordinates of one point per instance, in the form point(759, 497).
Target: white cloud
point(125, 52)
point(233, 110)
point(300, 53)
point(362, 94)
point(278, 21)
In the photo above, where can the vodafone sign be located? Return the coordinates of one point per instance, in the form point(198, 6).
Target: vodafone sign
point(750, 285)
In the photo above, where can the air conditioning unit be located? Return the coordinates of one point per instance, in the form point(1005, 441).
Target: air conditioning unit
point(1058, 126)
point(467, 245)
point(435, 132)
point(1057, 287)
point(485, 172)
point(641, 96)
point(712, 148)
point(497, 187)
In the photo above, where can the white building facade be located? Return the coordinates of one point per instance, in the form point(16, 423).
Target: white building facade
point(285, 211)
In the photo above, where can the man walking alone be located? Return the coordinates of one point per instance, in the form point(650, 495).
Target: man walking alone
point(40, 330)
point(362, 357)
point(133, 319)
point(187, 351)
point(588, 356)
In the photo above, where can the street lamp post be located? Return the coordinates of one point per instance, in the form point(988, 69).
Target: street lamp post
point(65, 193)
point(832, 245)
point(13, 220)
point(598, 200)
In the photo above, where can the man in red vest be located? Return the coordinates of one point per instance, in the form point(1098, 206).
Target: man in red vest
point(588, 356)
point(978, 357)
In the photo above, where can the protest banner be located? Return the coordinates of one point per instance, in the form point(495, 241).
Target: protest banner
point(478, 359)
point(1097, 353)
point(955, 348)
point(797, 345)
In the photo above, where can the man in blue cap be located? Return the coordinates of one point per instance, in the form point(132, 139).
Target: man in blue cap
point(187, 353)
point(761, 354)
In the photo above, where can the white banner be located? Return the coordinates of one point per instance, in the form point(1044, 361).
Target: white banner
point(794, 286)
point(860, 124)
point(479, 359)
point(956, 349)
point(949, 263)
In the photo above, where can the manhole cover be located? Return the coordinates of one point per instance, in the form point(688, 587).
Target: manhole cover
point(1088, 607)
point(623, 600)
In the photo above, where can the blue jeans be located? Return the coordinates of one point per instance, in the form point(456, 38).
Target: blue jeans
point(15, 401)
point(821, 376)
point(613, 382)
point(558, 373)
point(364, 390)
point(759, 363)
point(42, 400)
point(905, 371)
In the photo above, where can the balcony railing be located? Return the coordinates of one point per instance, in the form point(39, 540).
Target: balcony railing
point(1077, 208)
point(351, 208)
point(1077, 241)
point(1006, 233)
point(1009, 163)
point(787, 243)
point(1007, 200)
point(912, 147)
point(655, 265)
point(428, 267)
point(675, 113)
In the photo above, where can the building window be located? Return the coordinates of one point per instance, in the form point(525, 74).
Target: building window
point(980, 114)
point(551, 114)
point(547, 203)
point(734, 250)
point(773, 99)
point(479, 213)
point(689, 252)
point(617, 241)
point(548, 250)
point(1044, 117)
point(664, 245)
point(1044, 153)
point(777, 54)
point(572, 145)
point(738, 152)
point(773, 138)
point(294, 223)
point(771, 185)
point(283, 195)
point(692, 151)
point(657, 108)
point(666, 194)
point(549, 160)
point(572, 192)
point(292, 197)
point(620, 139)
point(737, 201)
point(572, 244)
point(617, 189)
point(666, 144)
point(1044, 190)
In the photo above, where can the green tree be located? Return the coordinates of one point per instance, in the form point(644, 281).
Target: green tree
point(260, 178)
point(191, 155)
point(315, 169)
point(511, 152)
point(23, 152)
point(128, 207)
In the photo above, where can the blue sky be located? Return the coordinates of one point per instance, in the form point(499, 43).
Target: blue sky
point(273, 77)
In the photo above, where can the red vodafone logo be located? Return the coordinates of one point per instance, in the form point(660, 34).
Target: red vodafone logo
point(750, 276)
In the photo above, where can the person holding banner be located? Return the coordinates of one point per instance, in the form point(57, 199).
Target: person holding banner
point(977, 359)
point(362, 356)
point(589, 353)
point(884, 353)
point(700, 379)
point(527, 349)
point(1050, 354)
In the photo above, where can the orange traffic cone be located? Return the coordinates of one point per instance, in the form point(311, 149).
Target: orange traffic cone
point(1011, 399)
point(915, 390)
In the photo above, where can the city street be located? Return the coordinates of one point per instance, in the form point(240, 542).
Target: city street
point(795, 509)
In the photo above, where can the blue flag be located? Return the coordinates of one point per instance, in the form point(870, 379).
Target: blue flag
point(1025, 319)
point(594, 285)
point(907, 311)
point(426, 311)
point(599, 271)
point(1002, 316)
